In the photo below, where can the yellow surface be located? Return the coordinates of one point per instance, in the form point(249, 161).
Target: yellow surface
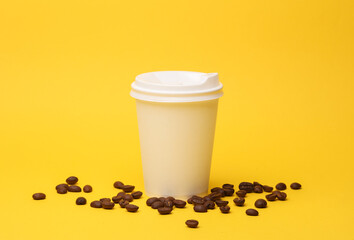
point(287, 113)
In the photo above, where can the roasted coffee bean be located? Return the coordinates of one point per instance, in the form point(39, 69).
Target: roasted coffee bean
point(64, 185)
point(271, 197)
point(215, 196)
point(137, 194)
point(72, 180)
point(190, 200)
point(280, 186)
point(151, 200)
point(62, 190)
point(128, 197)
point(164, 210)
point(200, 208)
point(247, 186)
point(207, 198)
point(131, 208)
point(74, 188)
point(221, 203)
point(107, 205)
point(118, 184)
point(192, 223)
point(209, 204)
point(258, 189)
point(241, 193)
point(295, 186)
point(121, 194)
point(228, 185)
point(280, 195)
point(116, 199)
point(257, 184)
point(260, 203)
point(229, 191)
point(157, 204)
point(170, 199)
point(239, 201)
point(38, 196)
point(225, 209)
point(179, 203)
point(105, 199)
point(168, 203)
point(252, 212)
point(87, 189)
point(267, 188)
point(197, 201)
point(80, 201)
point(218, 190)
point(197, 197)
point(123, 203)
point(162, 199)
point(96, 204)
point(128, 188)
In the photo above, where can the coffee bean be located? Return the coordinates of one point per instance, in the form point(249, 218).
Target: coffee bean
point(207, 198)
point(209, 204)
point(197, 201)
point(105, 199)
point(221, 203)
point(74, 188)
point(215, 196)
point(96, 204)
point(38, 196)
point(170, 199)
point(151, 200)
point(225, 209)
point(267, 188)
point(162, 199)
point(227, 185)
point(72, 180)
point(164, 210)
point(137, 194)
point(271, 197)
point(131, 208)
point(123, 203)
point(280, 186)
point(252, 212)
point(107, 205)
point(121, 194)
point(241, 193)
point(200, 208)
point(179, 203)
point(229, 191)
point(295, 186)
point(257, 184)
point(128, 197)
point(192, 223)
point(62, 190)
point(260, 203)
point(280, 195)
point(80, 201)
point(87, 189)
point(197, 197)
point(64, 185)
point(128, 188)
point(239, 201)
point(190, 200)
point(116, 199)
point(157, 204)
point(168, 203)
point(118, 184)
point(247, 186)
point(218, 190)
point(258, 189)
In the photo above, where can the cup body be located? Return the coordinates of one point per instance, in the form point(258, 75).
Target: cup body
point(176, 142)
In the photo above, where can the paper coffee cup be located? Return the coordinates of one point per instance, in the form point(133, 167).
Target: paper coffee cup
point(176, 117)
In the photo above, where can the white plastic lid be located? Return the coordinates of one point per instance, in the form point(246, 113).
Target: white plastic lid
point(176, 86)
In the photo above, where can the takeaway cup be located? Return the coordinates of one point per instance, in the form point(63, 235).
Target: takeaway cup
point(176, 118)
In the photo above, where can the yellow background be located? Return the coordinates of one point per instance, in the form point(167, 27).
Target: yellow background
point(287, 113)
